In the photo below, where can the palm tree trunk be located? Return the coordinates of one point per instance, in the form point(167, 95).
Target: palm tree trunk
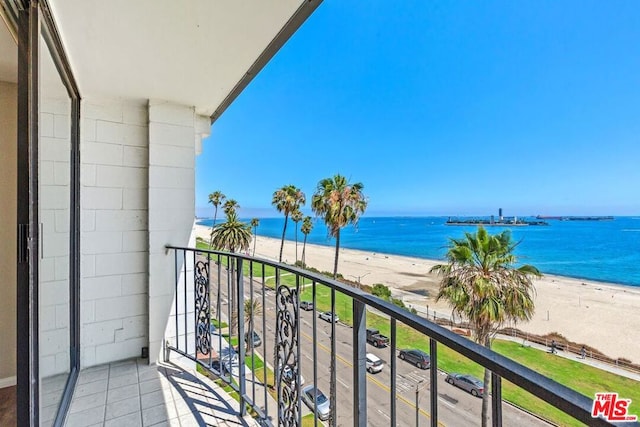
point(304, 246)
point(296, 242)
point(255, 238)
point(335, 262)
point(487, 387)
point(284, 230)
point(212, 226)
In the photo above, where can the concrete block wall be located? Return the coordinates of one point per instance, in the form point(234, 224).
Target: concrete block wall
point(114, 236)
point(175, 132)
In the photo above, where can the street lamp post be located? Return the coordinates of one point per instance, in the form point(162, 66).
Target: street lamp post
point(359, 277)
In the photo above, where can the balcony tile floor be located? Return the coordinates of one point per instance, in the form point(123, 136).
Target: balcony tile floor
point(132, 393)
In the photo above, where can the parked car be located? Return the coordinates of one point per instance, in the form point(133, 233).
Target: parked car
point(374, 363)
point(288, 377)
point(417, 357)
point(376, 338)
point(329, 316)
point(256, 339)
point(306, 305)
point(313, 398)
point(466, 382)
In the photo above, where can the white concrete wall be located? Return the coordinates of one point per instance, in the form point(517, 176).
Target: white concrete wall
point(174, 139)
point(8, 249)
point(114, 237)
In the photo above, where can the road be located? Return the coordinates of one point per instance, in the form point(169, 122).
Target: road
point(456, 407)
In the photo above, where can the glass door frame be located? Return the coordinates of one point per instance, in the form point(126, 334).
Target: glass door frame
point(31, 19)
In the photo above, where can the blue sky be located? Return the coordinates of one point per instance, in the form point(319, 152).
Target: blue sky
point(443, 108)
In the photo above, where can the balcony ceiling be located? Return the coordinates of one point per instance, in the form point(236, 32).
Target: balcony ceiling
point(190, 52)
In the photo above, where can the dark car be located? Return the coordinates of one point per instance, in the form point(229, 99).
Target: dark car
point(466, 382)
point(306, 305)
point(417, 357)
point(256, 339)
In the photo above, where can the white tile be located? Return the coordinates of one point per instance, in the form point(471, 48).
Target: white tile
point(136, 156)
point(129, 392)
point(131, 420)
point(122, 407)
point(86, 418)
point(170, 155)
point(81, 403)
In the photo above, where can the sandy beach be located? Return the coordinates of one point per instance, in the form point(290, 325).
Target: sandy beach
point(604, 316)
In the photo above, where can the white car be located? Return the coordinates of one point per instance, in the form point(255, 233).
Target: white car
point(288, 377)
point(374, 363)
point(329, 316)
point(312, 399)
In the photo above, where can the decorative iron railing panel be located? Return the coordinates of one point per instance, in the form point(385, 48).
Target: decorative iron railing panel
point(269, 331)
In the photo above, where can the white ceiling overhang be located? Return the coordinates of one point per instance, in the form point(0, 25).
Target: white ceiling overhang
point(200, 53)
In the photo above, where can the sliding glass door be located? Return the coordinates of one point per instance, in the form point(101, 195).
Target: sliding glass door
point(48, 220)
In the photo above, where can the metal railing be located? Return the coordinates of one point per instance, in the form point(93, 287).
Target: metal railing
point(212, 288)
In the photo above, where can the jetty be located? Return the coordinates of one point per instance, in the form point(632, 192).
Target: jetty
point(491, 221)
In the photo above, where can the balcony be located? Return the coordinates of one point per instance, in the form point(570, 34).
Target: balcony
point(212, 375)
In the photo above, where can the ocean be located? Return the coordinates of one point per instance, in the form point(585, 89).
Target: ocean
point(606, 251)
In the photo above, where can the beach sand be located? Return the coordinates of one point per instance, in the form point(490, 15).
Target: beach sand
point(604, 316)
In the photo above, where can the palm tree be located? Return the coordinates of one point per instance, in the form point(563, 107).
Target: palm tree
point(252, 308)
point(307, 226)
point(231, 205)
point(287, 200)
point(296, 216)
point(232, 236)
point(215, 199)
point(482, 283)
point(255, 222)
point(339, 203)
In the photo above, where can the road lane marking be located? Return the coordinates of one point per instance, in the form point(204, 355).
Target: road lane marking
point(384, 414)
point(370, 378)
point(342, 382)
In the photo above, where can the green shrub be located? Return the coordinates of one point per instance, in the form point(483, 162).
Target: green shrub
point(381, 291)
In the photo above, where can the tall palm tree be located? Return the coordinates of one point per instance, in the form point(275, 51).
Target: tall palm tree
point(216, 198)
point(339, 203)
point(287, 200)
point(232, 236)
point(231, 205)
point(252, 309)
point(307, 226)
point(296, 216)
point(482, 282)
point(255, 222)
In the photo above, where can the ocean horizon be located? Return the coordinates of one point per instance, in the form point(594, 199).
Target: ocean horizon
point(603, 251)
